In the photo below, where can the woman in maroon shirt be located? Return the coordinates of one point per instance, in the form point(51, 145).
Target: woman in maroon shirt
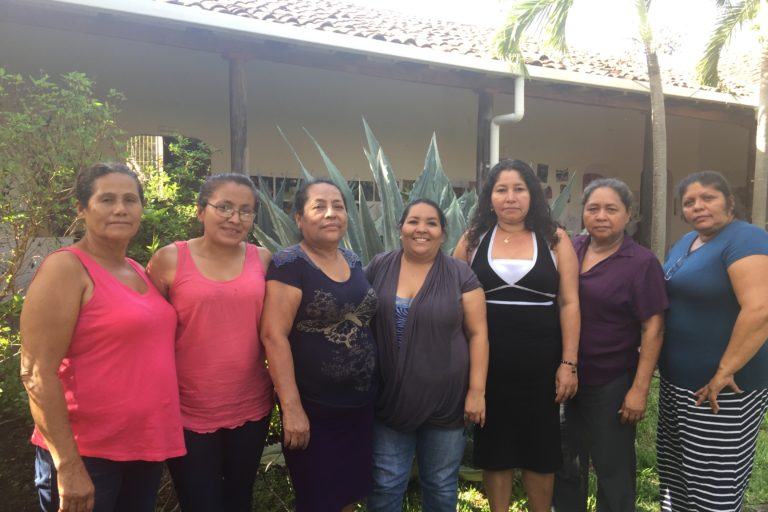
point(623, 298)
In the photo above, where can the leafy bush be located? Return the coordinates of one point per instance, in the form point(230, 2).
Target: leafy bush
point(49, 129)
point(170, 194)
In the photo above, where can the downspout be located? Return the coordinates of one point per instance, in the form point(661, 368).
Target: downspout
point(514, 117)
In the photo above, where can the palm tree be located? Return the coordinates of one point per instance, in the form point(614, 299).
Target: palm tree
point(551, 17)
point(734, 14)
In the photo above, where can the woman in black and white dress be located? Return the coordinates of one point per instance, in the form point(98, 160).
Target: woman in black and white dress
point(529, 271)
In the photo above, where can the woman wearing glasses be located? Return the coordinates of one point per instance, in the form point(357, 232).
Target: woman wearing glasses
point(216, 284)
point(714, 363)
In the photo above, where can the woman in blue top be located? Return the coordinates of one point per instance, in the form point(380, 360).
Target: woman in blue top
point(322, 357)
point(714, 362)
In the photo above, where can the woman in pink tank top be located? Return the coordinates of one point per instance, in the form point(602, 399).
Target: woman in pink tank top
point(216, 284)
point(98, 360)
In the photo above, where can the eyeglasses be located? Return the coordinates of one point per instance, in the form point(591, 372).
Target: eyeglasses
point(675, 267)
point(227, 211)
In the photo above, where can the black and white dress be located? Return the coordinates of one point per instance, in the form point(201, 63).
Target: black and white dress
point(522, 428)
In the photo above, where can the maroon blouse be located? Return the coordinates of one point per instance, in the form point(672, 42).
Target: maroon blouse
point(616, 296)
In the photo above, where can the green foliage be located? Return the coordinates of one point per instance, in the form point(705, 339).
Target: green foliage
point(49, 129)
point(12, 394)
point(525, 16)
point(171, 194)
point(366, 235)
point(732, 15)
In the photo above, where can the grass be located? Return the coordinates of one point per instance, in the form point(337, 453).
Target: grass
point(274, 482)
point(472, 499)
point(273, 490)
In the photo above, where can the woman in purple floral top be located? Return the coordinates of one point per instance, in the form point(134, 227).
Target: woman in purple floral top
point(322, 356)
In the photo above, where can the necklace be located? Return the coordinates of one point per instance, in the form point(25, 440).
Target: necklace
point(510, 234)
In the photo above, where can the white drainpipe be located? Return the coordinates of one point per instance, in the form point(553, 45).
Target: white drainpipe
point(514, 117)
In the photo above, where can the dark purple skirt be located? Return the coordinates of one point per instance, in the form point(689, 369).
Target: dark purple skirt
point(335, 469)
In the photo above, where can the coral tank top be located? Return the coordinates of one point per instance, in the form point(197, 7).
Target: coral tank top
point(223, 381)
point(119, 373)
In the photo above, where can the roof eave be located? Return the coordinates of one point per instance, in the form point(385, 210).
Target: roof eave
point(165, 14)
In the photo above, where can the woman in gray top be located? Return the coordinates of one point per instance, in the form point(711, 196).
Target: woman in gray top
point(432, 342)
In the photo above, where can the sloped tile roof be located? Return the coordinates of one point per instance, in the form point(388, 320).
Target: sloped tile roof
point(447, 36)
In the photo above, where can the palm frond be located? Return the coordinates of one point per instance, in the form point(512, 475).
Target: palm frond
point(732, 15)
point(547, 17)
point(646, 34)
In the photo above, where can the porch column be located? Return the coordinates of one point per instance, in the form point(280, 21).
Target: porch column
point(484, 116)
point(238, 113)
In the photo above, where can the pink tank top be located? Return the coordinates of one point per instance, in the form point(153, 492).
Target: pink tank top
point(119, 373)
point(223, 381)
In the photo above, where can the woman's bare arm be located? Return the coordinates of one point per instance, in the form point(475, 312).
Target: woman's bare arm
point(651, 337)
point(750, 330)
point(476, 329)
point(570, 316)
point(280, 306)
point(48, 319)
point(161, 268)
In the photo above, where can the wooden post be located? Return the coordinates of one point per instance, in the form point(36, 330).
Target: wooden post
point(484, 116)
point(238, 114)
point(643, 235)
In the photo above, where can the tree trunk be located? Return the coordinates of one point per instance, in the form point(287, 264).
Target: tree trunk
point(760, 187)
point(643, 234)
point(659, 139)
point(238, 116)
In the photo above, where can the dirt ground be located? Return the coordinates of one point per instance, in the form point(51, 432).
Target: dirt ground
point(17, 466)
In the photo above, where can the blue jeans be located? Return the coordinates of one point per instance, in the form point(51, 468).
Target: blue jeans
point(438, 452)
point(218, 471)
point(120, 486)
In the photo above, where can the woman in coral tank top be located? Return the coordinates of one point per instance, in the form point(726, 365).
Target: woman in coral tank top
point(98, 360)
point(216, 285)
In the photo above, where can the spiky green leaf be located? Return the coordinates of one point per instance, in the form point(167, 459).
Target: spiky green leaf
point(455, 227)
point(285, 232)
point(304, 171)
point(558, 203)
point(433, 183)
point(355, 230)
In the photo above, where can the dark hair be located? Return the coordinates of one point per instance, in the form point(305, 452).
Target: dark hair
point(618, 186)
point(709, 179)
point(407, 210)
point(300, 199)
point(87, 177)
point(539, 217)
point(214, 181)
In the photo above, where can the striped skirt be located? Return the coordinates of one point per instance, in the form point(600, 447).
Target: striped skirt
point(705, 459)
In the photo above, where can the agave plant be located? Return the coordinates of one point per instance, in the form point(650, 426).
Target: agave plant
point(366, 235)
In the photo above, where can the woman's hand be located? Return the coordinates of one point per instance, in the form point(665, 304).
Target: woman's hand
point(76, 491)
point(295, 428)
point(711, 389)
point(474, 407)
point(633, 407)
point(566, 383)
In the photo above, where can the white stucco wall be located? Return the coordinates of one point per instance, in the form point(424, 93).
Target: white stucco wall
point(170, 89)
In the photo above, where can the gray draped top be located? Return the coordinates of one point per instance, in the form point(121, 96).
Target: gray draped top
point(424, 380)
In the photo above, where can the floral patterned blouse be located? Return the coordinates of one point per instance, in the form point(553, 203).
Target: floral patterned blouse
point(334, 354)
